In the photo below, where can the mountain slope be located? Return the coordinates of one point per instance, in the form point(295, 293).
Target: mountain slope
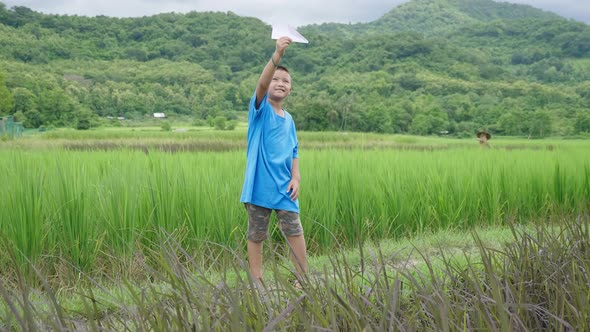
point(424, 67)
point(432, 17)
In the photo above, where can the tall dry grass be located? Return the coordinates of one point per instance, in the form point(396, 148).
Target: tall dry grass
point(536, 281)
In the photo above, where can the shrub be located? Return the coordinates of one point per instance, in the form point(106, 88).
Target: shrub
point(231, 125)
point(220, 122)
point(166, 126)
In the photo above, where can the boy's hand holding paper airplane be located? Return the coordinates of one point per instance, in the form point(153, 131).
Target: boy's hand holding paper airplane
point(279, 31)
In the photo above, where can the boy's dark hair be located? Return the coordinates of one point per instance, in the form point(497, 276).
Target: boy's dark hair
point(283, 68)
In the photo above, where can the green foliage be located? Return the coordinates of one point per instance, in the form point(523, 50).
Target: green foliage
point(482, 63)
point(199, 123)
point(6, 98)
point(231, 125)
point(166, 126)
point(435, 17)
point(219, 122)
point(19, 117)
point(84, 119)
point(582, 123)
point(222, 123)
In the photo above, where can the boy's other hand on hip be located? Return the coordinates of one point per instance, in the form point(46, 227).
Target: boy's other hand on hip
point(293, 189)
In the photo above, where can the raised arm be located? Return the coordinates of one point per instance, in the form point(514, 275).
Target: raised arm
point(269, 69)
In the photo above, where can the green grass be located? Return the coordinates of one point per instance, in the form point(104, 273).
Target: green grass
point(154, 133)
point(86, 206)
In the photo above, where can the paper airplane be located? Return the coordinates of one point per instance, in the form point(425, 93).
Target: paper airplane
point(279, 31)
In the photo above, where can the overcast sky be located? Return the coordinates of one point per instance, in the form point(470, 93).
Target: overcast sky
point(296, 13)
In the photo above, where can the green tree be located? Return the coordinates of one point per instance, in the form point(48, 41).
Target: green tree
point(84, 119)
point(421, 125)
point(24, 100)
point(57, 108)
point(539, 125)
point(33, 119)
point(582, 124)
point(6, 97)
point(400, 119)
point(578, 45)
point(20, 117)
point(431, 122)
point(510, 123)
point(383, 76)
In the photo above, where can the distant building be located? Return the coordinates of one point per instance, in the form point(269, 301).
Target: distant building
point(159, 115)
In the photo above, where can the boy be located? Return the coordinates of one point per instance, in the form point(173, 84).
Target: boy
point(272, 166)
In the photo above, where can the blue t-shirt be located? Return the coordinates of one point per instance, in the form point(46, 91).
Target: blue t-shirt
point(272, 146)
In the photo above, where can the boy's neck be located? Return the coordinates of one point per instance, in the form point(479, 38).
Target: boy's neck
point(277, 107)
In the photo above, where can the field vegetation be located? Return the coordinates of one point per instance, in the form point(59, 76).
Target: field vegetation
point(143, 230)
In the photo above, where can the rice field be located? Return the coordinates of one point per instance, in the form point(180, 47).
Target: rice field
point(86, 203)
point(143, 230)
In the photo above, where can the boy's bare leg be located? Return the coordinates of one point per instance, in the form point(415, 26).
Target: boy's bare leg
point(255, 259)
point(298, 253)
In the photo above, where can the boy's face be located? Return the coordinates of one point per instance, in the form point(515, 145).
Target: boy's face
point(280, 85)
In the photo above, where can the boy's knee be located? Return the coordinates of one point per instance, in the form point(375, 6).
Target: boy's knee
point(290, 223)
point(257, 236)
point(292, 229)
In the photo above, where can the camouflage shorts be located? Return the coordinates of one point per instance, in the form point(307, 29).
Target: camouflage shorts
point(259, 217)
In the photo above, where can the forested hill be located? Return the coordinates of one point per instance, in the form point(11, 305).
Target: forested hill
point(438, 16)
point(431, 17)
point(425, 67)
